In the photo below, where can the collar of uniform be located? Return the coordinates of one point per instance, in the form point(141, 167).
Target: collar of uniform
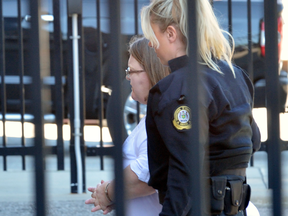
point(178, 63)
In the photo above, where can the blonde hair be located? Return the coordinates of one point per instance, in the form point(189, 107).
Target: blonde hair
point(147, 58)
point(211, 41)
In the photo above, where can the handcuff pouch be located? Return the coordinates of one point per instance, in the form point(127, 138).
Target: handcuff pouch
point(246, 197)
point(218, 185)
point(233, 198)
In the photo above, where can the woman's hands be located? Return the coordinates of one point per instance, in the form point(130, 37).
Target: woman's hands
point(99, 198)
point(133, 188)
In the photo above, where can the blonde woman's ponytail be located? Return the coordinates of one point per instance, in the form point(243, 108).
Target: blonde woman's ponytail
point(212, 44)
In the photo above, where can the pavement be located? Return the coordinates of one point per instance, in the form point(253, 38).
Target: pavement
point(17, 186)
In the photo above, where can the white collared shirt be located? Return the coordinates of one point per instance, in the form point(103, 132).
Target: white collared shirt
point(135, 154)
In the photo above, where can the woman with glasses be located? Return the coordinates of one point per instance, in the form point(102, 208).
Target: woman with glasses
point(144, 71)
point(228, 132)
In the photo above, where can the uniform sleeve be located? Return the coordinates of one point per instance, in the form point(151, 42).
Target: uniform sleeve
point(140, 165)
point(177, 201)
point(256, 137)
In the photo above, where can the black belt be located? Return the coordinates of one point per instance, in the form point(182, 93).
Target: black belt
point(238, 172)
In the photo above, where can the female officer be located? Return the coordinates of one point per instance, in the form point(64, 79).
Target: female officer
point(233, 134)
point(144, 71)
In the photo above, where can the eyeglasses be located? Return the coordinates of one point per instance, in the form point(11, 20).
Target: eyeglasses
point(128, 72)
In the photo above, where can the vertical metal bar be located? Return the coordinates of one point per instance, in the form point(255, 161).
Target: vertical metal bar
point(273, 106)
point(73, 163)
point(99, 77)
point(76, 90)
point(136, 33)
point(115, 53)
point(73, 177)
point(250, 54)
point(136, 16)
point(196, 179)
point(3, 85)
point(36, 70)
point(252, 161)
point(21, 74)
point(58, 68)
point(230, 20)
point(82, 96)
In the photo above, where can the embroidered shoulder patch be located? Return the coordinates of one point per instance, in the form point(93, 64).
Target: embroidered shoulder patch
point(182, 118)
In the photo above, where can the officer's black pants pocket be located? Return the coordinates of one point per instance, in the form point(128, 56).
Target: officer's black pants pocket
point(218, 185)
point(234, 196)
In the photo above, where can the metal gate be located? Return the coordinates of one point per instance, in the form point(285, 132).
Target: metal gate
point(42, 82)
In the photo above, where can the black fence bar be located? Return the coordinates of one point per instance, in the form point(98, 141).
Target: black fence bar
point(3, 85)
point(115, 58)
point(136, 33)
point(230, 20)
point(197, 189)
point(95, 151)
point(100, 79)
point(73, 173)
point(283, 146)
point(136, 16)
point(26, 150)
point(58, 91)
point(250, 56)
point(73, 164)
point(273, 106)
point(36, 54)
point(21, 75)
point(82, 96)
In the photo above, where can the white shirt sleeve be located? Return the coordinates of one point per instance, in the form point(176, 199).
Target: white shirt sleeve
point(140, 165)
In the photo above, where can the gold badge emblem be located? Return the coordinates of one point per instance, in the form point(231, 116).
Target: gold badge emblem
point(182, 118)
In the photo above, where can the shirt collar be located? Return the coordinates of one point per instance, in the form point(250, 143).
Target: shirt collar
point(178, 63)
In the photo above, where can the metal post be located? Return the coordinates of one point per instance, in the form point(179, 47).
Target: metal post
point(99, 77)
point(136, 33)
point(77, 134)
point(250, 54)
point(197, 172)
point(230, 20)
point(3, 85)
point(115, 53)
point(273, 106)
point(21, 74)
point(136, 16)
point(82, 96)
point(39, 58)
point(58, 68)
point(73, 172)
point(77, 109)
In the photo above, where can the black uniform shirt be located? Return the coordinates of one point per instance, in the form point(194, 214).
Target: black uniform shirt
point(228, 121)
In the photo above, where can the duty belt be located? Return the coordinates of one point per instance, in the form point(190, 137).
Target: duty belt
point(237, 172)
point(233, 172)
